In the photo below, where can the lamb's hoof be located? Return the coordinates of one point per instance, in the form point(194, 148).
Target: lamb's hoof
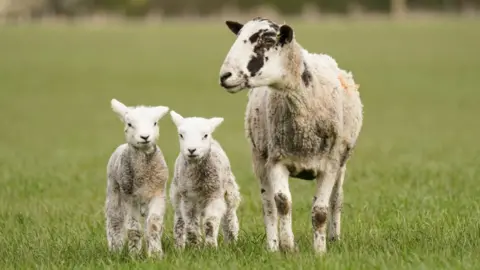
point(335, 238)
point(272, 247)
point(157, 254)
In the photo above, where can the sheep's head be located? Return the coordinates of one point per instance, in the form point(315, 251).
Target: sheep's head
point(195, 134)
point(257, 56)
point(141, 127)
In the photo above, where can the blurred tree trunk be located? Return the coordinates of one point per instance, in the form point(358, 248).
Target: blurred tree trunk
point(398, 8)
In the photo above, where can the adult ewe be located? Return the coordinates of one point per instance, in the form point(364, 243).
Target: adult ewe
point(137, 176)
point(303, 119)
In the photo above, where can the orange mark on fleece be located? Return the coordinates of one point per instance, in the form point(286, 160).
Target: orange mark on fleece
point(344, 83)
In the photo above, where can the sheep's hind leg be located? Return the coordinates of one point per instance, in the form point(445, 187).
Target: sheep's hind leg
point(336, 204)
point(268, 203)
point(154, 226)
point(278, 178)
point(134, 233)
point(115, 221)
point(213, 214)
point(320, 207)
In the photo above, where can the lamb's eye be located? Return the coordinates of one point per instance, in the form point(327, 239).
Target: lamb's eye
point(205, 136)
point(181, 136)
point(154, 124)
point(130, 125)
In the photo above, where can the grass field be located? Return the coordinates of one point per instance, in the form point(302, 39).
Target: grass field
point(411, 196)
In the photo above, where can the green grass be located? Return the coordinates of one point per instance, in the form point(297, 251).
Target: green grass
point(411, 193)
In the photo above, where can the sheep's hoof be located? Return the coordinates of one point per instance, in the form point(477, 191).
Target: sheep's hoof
point(335, 238)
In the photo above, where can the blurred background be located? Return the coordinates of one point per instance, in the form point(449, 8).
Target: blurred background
point(411, 190)
point(37, 9)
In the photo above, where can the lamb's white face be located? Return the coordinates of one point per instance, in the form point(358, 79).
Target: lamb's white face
point(195, 134)
point(257, 56)
point(141, 127)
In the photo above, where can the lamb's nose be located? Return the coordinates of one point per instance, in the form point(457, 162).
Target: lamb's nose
point(191, 150)
point(145, 137)
point(224, 77)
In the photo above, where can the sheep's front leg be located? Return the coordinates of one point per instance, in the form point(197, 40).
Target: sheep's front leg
point(114, 216)
point(133, 225)
point(336, 204)
point(320, 207)
point(268, 203)
point(154, 226)
point(192, 222)
point(278, 179)
point(213, 215)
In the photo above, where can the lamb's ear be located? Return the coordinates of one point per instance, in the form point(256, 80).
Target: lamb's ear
point(215, 122)
point(160, 111)
point(176, 118)
point(235, 27)
point(119, 108)
point(285, 35)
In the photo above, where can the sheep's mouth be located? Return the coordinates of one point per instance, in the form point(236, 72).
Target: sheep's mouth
point(234, 88)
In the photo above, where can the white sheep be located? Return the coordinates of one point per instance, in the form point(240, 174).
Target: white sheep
point(137, 175)
point(303, 118)
point(203, 189)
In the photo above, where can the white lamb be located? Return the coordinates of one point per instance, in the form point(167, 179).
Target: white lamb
point(203, 190)
point(137, 175)
point(303, 118)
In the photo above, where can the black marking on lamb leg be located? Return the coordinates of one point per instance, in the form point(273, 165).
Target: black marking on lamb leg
point(306, 75)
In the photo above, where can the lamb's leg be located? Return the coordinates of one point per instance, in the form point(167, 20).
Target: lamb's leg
point(325, 183)
point(178, 221)
point(154, 226)
point(278, 178)
point(179, 227)
point(213, 214)
point(230, 219)
point(268, 203)
point(336, 203)
point(192, 222)
point(134, 233)
point(114, 216)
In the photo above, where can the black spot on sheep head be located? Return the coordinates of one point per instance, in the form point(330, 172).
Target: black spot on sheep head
point(257, 57)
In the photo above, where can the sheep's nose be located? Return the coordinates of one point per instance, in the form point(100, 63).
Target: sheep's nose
point(191, 150)
point(144, 137)
point(224, 77)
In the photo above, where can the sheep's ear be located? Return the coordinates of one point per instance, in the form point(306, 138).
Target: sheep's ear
point(235, 27)
point(176, 118)
point(215, 122)
point(119, 108)
point(160, 111)
point(285, 35)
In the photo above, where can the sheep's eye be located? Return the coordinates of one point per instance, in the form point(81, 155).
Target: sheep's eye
point(205, 136)
point(130, 125)
point(154, 124)
point(181, 136)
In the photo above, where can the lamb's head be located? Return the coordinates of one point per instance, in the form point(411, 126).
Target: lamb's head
point(195, 134)
point(141, 127)
point(258, 56)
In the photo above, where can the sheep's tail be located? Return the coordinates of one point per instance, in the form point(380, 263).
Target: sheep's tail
point(347, 81)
